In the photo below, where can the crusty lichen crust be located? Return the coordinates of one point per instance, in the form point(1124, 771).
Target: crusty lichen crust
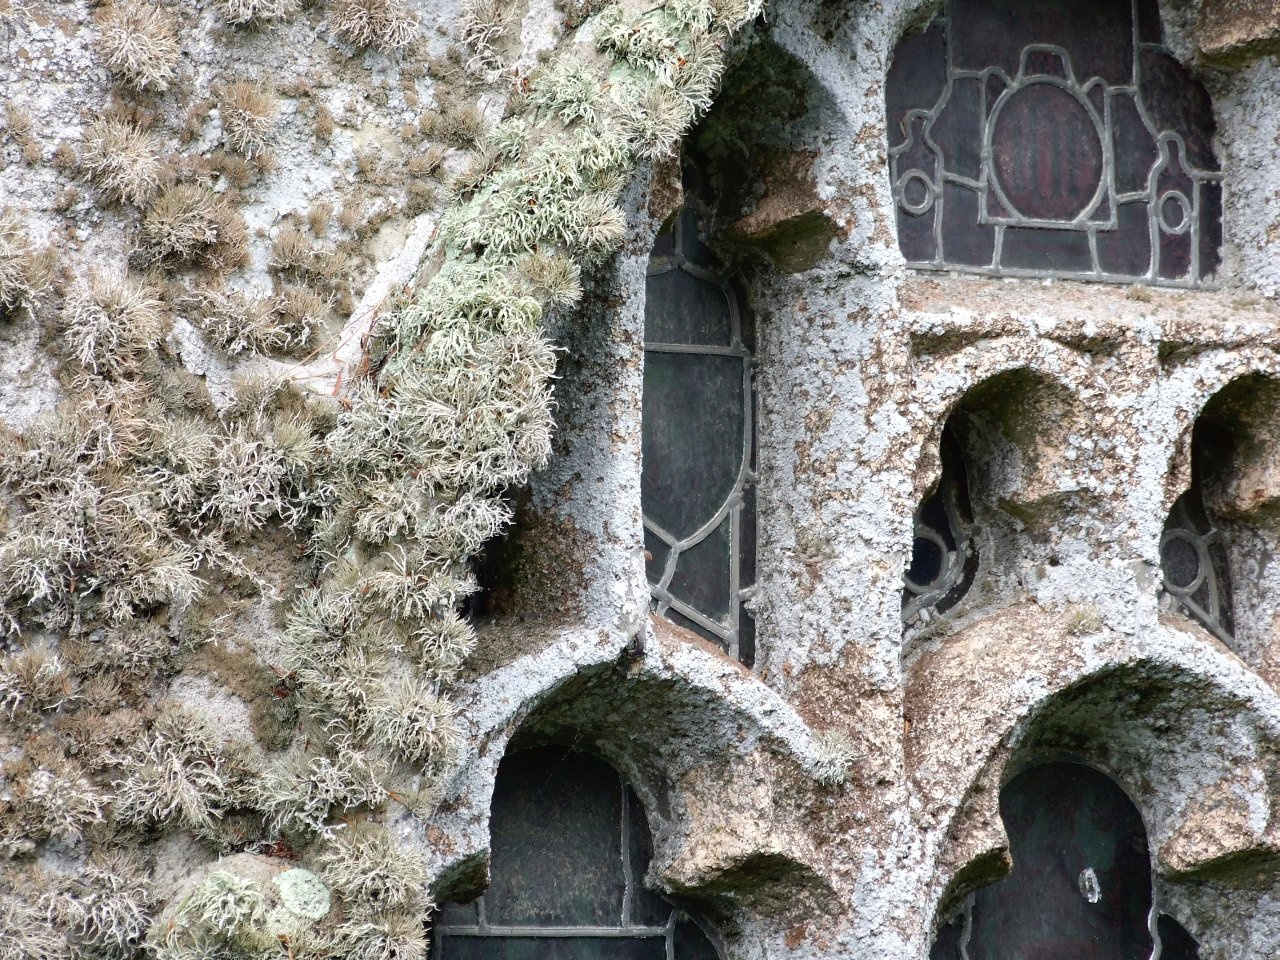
point(148, 517)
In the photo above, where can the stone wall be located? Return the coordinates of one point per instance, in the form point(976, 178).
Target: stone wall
point(839, 799)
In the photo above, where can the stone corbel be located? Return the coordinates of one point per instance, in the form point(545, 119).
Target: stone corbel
point(1224, 831)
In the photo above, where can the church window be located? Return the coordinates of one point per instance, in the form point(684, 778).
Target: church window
point(570, 847)
point(1049, 139)
point(1081, 882)
point(697, 487)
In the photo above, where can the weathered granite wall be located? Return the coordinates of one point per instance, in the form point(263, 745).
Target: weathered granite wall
point(1087, 395)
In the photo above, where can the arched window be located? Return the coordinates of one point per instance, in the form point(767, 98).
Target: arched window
point(1051, 138)
point(570, 847)
point(1194, 564)
point(1081, 882)
point(697, 488)
point(944, 557)
point(1193, 557)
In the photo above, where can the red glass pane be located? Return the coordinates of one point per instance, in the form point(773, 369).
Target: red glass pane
point(1047, 153)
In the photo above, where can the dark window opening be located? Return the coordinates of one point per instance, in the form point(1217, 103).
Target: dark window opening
point(698, 481)
point(1049, 139)
point(570, 847)
point(944, 558)
point(1193, 559)
point(1081, 886)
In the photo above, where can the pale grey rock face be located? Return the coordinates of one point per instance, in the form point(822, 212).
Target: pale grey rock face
point(1062, 647)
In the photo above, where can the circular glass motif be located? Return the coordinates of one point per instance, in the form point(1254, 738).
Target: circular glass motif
point(1181, 561)
point(1175, 213)
point(1047, 152)
point(917, 192)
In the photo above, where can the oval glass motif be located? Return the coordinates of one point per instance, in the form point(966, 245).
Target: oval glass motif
point(1048, 153)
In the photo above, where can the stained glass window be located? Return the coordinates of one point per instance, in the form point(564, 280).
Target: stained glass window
point(1081, 885)
point(1051, 138)
point(944, 557)
point(1194, 563)
point(697, 487)
point(570, 847)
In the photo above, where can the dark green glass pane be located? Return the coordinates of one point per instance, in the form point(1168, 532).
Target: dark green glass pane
point(693, 437)
point(692, 943)
point(746, 637)
point(1081, 881)
point(647, 908)
point(458, 914)
point(1210, 228)
point(963, 240)
point(1177, 103)
point(953, 131)
point(1149, 28)
point(1175, 942)
point(552, 948)
point(557, 850)
point(682, 308)
point(702, 575)
point(1126, 250)
point(1134, 147)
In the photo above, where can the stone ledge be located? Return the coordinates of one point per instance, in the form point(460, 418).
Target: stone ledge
point(1238, 29)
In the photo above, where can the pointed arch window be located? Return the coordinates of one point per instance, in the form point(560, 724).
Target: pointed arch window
point(1081, 882)
point(1053, 139)
point(1194, 565)
point(698, 480)
point(570, 847)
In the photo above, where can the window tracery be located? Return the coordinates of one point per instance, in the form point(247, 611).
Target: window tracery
point(697, 485)
point(1194, 563)
point(944, 556)
point(1081, 884)
point(1040, 140)
point(570, 847)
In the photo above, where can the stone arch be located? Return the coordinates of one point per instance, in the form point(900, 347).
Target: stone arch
point(1026, 401)
point(716, 760)
point(1222, 413)
point(1172, 716)
point(1187, 389)
point(1012, 430)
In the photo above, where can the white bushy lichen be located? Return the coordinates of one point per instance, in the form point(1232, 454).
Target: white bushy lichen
point(386, 25)
point(25, 271)
point(182, 772)
point(122, 160)
point(106, 909)
point(139, 41)
point(836, 753)
point(484, 24)
point(249, 114)
point(189, 222)
point(111, 322)
point(251, 11)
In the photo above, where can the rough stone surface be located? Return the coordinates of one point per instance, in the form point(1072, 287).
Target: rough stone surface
point(1239, 27)
point(1084, 400)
